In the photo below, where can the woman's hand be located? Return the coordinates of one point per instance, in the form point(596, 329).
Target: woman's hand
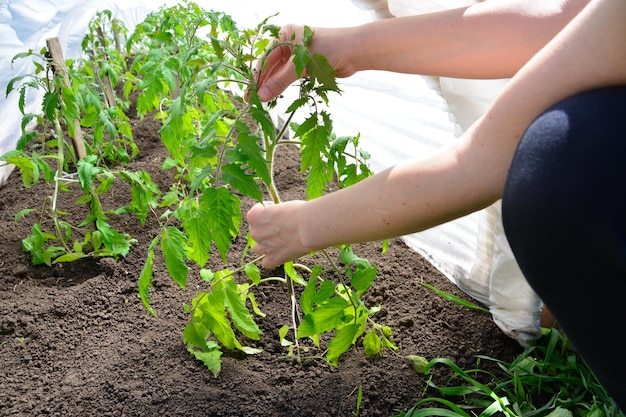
point(275, 231)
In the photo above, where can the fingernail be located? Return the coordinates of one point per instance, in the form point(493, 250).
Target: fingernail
point(263, 93)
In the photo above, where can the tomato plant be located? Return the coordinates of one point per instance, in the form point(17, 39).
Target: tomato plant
point(69, 103)
point(189, 67)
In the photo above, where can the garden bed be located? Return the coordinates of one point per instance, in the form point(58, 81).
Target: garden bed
point(75, 339)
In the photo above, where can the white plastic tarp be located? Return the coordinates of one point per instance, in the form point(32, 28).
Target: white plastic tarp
point(398, 116)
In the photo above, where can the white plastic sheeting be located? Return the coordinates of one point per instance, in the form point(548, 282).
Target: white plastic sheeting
point(399, 116)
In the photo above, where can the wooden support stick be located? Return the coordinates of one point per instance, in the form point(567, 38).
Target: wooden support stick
point(56, 54)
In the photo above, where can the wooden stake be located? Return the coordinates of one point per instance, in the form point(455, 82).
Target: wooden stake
point(56, 54)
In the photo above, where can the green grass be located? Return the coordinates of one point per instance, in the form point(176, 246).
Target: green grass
point(547, 379)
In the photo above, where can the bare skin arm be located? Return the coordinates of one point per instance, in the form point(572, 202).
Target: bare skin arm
point(492, 39)
point(417, 195)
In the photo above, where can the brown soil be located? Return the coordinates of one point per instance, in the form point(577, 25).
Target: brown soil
point(75, 339)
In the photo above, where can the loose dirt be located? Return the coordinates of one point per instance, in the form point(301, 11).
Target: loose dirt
point(75, 339)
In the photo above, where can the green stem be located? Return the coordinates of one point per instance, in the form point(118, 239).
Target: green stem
point(57, 179)
point(342, 281)
point(270, 279)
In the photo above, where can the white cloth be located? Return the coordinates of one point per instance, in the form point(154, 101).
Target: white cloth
point(472, 251)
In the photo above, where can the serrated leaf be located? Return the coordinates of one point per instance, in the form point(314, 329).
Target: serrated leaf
point(315, 142)
point(340, 344)
point(326, 290)
point(316, 179)
point(117, 243)
point(261, 116)
point(174, 247)
point(28, 168)
point(210, 359)
point(198, 234)
point(195, 333)
point(363, 278)
point(239, 179)
point(296, 104)
point(322, 72)
point(240, 315)
point(50, 105)
point(223, 216)
point(87, 171)
point(301, 56)
point(255, 155)
point(214, 317)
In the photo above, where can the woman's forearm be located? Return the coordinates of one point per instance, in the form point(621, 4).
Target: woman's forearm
point(492, 39)
point(413, 196)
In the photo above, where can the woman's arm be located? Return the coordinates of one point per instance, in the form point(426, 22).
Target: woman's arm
point(492, 39)
point(416, 195)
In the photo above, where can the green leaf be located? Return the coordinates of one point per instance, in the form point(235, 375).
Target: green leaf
point(307, 298)
point(253, 273)
point(240, 315)
point(87, 171)
point(327, 289)
point(145, 278)
point(255, 305)
point(282, 334)
point(223, 216)
point(316, 179)
point(341, 343)
point(50, 105)
point(198, 233)
point(69, 257)
point(372, 344)
point(195, 333)
point(363, 278)
point(210, 359)
point(454, 298)
point(301, 56)
point(117, 243)
point(419, 363)
point(238, 178)
point(325, 317)
point(28, 168)
point(249, 146)
point(322, 72)
point(293, 274)
point(214, 317)
point(23, 213)
point(174, 247)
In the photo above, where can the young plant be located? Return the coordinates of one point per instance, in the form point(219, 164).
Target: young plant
point(46, 152)
point(547, 380)
point(189, 69)
point(103, 109)
point(222, 149)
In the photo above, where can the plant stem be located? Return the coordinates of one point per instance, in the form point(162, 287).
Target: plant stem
point(57, 178)
point(342, 281)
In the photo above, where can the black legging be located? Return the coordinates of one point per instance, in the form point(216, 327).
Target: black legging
point(564, 214)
